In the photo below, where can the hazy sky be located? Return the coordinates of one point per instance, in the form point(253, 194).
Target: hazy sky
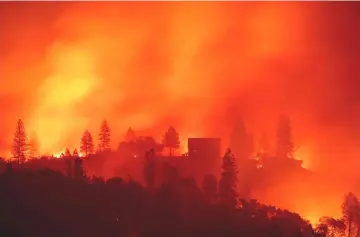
point(66, 66)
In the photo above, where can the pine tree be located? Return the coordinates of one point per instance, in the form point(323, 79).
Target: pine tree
point(210, 187)
point(79, 172)
point(87, 145)
point(285, 145)
point(171, 139)
point(104, 137)
point(20, 148)
point(69, 170)
point(149, 169)
point(228, 181)
point(9, 169)
point(75, 153)
point(240, 141)
point(67, 152)
point(130, 135)
point(351, 214)
point(170, 176)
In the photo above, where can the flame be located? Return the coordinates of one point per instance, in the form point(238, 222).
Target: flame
point(183, 145)
point(71, 80)
point(84, 62)
point(313, 218)
point(58, 154)
point(303, 153)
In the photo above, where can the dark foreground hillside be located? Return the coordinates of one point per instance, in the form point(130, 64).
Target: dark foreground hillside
point(46, 203)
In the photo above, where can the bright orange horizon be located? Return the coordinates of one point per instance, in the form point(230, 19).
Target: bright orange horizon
point(65, 66)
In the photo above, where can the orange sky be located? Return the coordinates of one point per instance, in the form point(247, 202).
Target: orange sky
point(66, 66)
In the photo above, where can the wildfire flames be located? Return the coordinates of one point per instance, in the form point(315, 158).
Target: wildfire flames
point(60, 154)
point(195, 66)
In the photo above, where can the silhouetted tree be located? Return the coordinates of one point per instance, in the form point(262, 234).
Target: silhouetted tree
point(351, 214)
point(87, 145)
point(321, 230)
point(149, 169)
point(240, 141)
point(9, 168)
point(171, 139)
point(146, 143)
point(210, 188)
point(170, 176)
point(61, 206)
point(67, 152)
point(104, 137)
point(228, 181)
point(75, 153)
point(139, 146)
point(285, 145)
point(130, 135)
point(20, 148)
point(69, 170)
point(128, 149)
point(78, 169)
point(329, 226)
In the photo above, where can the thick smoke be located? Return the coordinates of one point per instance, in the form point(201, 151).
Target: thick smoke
point(66, 66)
